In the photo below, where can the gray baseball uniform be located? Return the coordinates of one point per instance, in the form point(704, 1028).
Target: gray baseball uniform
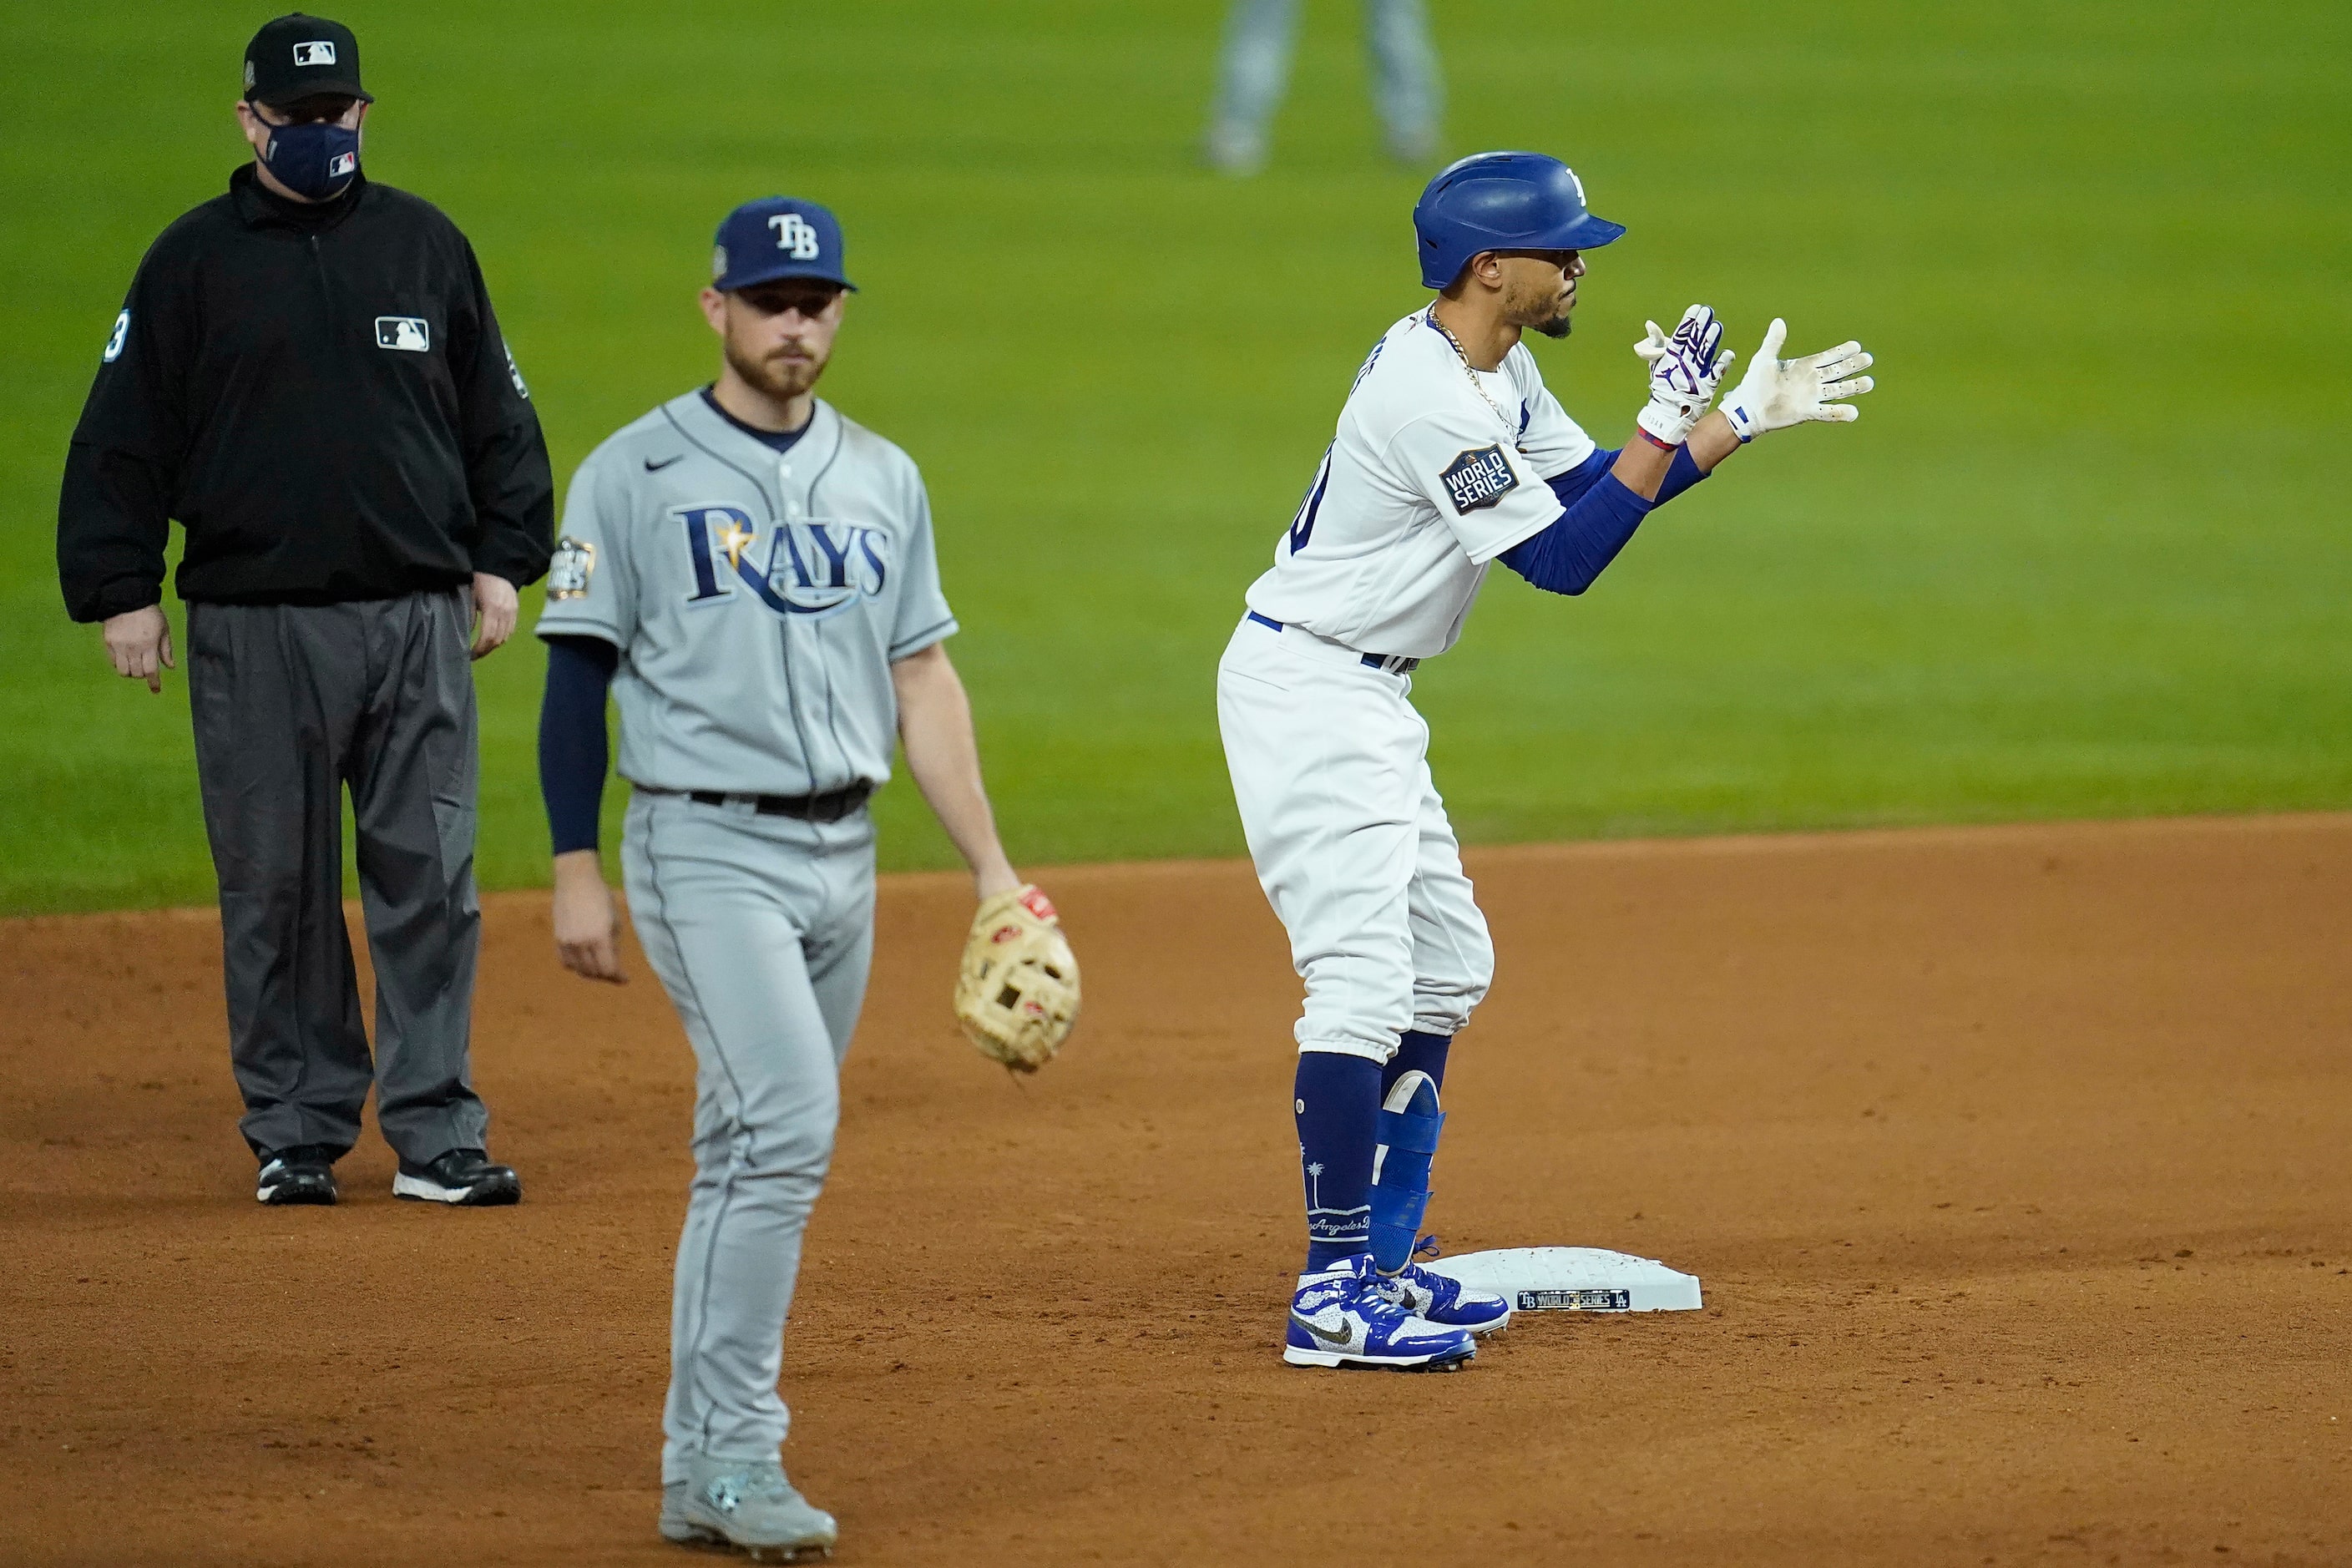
point(758, 601)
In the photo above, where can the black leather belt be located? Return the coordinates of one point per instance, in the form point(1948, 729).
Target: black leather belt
point(831, 806)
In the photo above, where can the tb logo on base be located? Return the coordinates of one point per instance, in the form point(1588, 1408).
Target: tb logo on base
point(813, 568)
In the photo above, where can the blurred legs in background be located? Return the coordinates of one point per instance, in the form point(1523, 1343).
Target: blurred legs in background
point(1406, 85)
point(1255, 70)
point(1251, 78)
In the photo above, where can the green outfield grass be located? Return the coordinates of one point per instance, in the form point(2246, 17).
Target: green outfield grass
point(2087, 552)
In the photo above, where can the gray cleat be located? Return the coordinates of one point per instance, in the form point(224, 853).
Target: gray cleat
point(747, 1504)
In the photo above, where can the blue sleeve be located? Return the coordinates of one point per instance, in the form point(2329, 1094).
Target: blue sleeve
point(1602, 516)
point(1681, 474)
point(572, 752)
point(1570, 486)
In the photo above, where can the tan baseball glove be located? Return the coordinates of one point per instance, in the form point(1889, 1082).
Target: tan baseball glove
point(1018, 993)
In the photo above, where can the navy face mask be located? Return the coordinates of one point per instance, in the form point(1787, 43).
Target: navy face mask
point(317, 159)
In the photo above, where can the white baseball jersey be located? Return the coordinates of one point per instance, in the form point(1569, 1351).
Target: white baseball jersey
point(1425, 483)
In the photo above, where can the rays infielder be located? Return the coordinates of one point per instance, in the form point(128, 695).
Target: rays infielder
point(757, 571)
point(1450, 456)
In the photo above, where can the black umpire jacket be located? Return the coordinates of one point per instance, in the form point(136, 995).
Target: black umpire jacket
point(322, 396)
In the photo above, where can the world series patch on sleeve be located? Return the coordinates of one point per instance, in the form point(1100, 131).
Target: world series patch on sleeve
point(569, 570)
point(1479, 478)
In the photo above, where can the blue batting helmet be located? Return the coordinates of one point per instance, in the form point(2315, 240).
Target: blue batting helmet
point(1502, 201)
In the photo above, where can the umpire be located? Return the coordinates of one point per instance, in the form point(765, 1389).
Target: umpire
point(307, 375)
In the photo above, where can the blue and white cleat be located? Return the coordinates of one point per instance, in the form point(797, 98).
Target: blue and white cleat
point(1349, 1316)
point(1438, 1299)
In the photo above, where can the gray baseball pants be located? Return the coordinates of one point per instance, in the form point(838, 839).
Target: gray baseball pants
point(1254, 71)
point(292, 704)
point(762, 930)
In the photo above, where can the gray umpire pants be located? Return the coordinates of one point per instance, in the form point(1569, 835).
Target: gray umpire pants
point(293, 703)
point(762, 930)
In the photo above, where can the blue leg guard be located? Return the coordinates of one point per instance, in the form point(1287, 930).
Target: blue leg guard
point(1410, 1121)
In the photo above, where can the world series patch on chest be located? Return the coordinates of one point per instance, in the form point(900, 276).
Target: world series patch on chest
point(1479, 478)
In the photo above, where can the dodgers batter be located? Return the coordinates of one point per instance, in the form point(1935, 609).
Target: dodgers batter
point(753, 575)
point(1450, 456)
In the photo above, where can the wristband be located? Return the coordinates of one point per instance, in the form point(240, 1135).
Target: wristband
point(1662, 445)
point(1667, 423)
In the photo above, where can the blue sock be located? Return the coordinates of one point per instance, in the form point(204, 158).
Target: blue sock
point(1416, 1049)
point(1338, 1104)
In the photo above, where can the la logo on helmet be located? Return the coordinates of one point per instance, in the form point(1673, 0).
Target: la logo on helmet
point(796, 236)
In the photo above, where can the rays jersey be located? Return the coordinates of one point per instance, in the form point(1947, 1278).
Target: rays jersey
point(758, 598)
point(1424, 484)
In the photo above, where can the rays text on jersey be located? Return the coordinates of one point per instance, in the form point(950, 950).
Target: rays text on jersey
point(814, 568)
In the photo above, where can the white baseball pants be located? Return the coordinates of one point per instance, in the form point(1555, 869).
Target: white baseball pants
point(1330, 769)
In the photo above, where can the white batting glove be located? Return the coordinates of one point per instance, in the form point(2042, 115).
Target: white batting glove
point(1778, 393)
point(1684, 370)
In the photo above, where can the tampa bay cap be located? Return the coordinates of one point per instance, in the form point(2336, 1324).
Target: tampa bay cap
point(297, 57)
point(777, 236)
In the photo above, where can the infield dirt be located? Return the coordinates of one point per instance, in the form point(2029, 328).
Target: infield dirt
point(2015, 1161)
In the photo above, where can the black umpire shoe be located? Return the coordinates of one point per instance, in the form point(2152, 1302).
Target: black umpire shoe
point(304, 1173)
point(462, 1176)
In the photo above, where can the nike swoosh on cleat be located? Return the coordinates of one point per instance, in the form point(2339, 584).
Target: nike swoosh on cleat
point(654, 467)
point(1341, 1337)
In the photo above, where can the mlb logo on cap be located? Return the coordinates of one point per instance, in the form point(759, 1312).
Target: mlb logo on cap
point(296, 57)
point(777, 236)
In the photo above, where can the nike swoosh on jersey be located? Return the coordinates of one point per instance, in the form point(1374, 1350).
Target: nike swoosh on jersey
point(654, 467)
point(1343, 1335)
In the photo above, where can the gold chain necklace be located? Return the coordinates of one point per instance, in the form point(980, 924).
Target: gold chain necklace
point(1476, 386)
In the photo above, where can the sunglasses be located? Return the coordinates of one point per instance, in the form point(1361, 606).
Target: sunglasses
point(774, 301)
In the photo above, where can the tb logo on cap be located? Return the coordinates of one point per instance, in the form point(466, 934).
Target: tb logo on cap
point(796, 236)
point(321, 53)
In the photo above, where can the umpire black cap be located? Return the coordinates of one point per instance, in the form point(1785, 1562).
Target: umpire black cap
point(300, 57)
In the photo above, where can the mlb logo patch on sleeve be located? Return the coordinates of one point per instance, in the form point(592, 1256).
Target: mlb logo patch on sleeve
point(1480, 477)
point(409, 333)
